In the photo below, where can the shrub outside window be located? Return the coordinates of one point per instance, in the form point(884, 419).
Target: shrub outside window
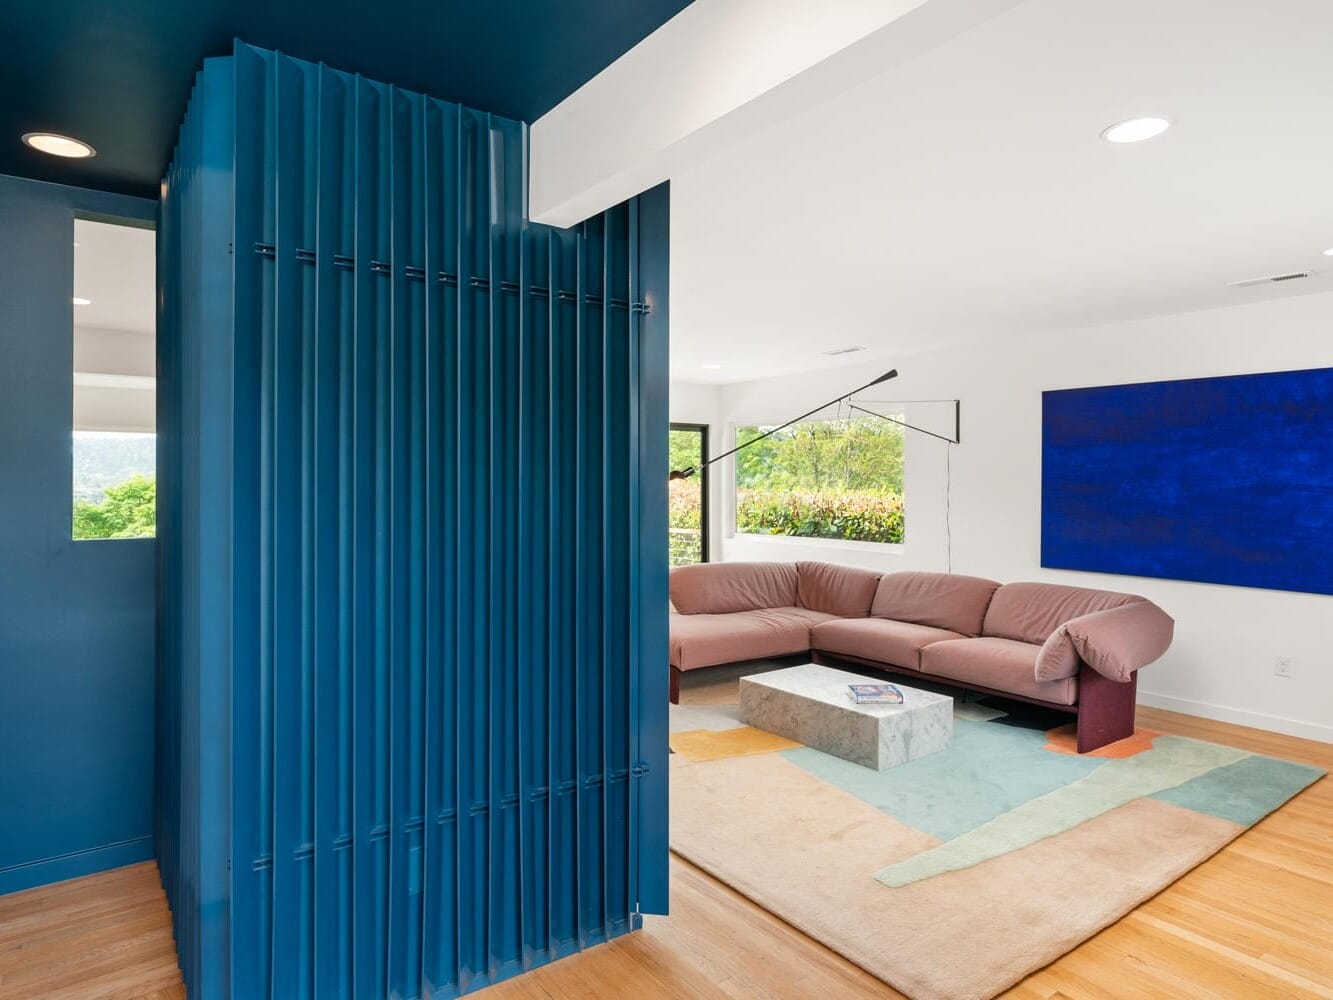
point(834, 479)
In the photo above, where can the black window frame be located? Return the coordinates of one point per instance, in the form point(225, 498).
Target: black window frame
point(705, 536)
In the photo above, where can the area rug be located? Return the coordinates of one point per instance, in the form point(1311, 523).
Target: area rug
point(954, 876)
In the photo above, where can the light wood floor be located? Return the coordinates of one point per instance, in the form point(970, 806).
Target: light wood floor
point(1254, 922)
point(106, 936)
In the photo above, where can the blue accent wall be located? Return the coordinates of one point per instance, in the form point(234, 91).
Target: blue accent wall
point(76, 618)
point(413, 725)
point(1217, 480)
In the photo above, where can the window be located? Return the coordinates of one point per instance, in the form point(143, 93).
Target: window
point(115, 362)
point(688, 498)
point(838, 479)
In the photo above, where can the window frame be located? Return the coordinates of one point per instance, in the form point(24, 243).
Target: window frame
point(148, 224)
point(705, 519)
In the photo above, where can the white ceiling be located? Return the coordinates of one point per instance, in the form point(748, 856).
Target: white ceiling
point(967, 195)
point(115, 267)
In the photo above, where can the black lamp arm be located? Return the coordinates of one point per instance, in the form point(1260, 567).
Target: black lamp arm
point(913, 427)
point(691, 470)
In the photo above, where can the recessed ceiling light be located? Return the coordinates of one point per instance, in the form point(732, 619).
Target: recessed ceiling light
point(712, 368)
point(82, 302)
point(1135, 129)
point(1328, 252)
point(59, 145)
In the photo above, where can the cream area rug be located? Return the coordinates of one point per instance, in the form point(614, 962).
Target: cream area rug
point(954, 876)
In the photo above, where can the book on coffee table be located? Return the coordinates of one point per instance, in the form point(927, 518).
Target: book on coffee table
point(875, 694)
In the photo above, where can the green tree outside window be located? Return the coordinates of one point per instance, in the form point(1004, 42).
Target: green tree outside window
point(126, 511)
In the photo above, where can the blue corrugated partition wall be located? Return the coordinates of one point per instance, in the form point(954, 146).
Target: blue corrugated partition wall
point(413, 726)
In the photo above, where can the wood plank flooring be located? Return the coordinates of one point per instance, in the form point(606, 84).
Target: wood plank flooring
point(1254, 922)
point(106, 936)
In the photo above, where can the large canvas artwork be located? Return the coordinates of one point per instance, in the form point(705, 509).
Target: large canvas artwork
point(1219, 480)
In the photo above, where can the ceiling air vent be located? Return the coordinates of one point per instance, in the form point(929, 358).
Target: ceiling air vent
point(1270, 279)
point(842, 350)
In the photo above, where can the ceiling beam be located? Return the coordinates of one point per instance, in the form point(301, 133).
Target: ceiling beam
point(717, 72)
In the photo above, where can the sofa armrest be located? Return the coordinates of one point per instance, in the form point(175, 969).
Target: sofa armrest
point(1118, 641)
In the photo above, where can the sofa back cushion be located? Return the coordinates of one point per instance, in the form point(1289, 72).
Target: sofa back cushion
point(725, 588)
point(836, 590)
point(1030, 612)
point(941, 600)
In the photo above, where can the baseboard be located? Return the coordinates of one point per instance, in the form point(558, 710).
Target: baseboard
point(44, 871)
point(1240, 717)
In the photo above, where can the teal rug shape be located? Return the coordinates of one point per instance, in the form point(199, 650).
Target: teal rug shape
point(1244, 792)
point(1172, 761)
point(990, 769)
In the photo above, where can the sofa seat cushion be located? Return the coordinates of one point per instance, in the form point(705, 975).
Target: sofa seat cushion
point(943, 600)
point(1000, 664)
point(721, 588)
point(844, 591)
point(898, 643)
point(709, 640)
point(812, 618)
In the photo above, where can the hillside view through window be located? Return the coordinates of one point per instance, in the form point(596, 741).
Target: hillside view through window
point(115, 489)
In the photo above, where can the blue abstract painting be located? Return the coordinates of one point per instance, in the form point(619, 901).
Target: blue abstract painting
point(1218, 480)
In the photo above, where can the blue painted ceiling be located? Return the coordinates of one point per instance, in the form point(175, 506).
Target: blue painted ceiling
point(117, 73)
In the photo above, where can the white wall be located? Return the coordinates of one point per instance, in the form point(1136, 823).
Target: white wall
point(118, 352)
point(114, 380)
point(1227, 638)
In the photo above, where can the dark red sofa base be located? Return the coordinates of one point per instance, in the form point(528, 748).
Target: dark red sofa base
point(1104, 713)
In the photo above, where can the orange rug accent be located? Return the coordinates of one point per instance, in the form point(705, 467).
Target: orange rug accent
point(1064, 739)
point(713, 744)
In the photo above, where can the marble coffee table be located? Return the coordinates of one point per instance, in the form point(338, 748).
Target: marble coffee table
point(810, 704)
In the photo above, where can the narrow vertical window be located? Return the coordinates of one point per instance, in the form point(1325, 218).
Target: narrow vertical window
point(688, 521)
point(115, 350)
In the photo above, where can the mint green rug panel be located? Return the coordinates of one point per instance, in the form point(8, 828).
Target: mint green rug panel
point(1244, 792)
point(1172, 761)
point(990, 769)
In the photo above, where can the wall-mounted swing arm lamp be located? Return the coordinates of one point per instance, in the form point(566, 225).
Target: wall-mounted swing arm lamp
point(691, 470)
point(957, 422)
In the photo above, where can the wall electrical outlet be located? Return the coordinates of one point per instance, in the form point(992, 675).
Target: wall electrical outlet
point(1282, 666)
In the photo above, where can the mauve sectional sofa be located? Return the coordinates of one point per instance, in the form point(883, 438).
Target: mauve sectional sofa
point(1068, 648)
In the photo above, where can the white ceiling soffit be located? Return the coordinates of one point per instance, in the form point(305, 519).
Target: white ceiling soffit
point(105, 380)
point(966, 197)
point(719, 71)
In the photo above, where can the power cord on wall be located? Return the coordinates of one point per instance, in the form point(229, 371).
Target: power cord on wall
point(949, 442)
point(948, 507)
